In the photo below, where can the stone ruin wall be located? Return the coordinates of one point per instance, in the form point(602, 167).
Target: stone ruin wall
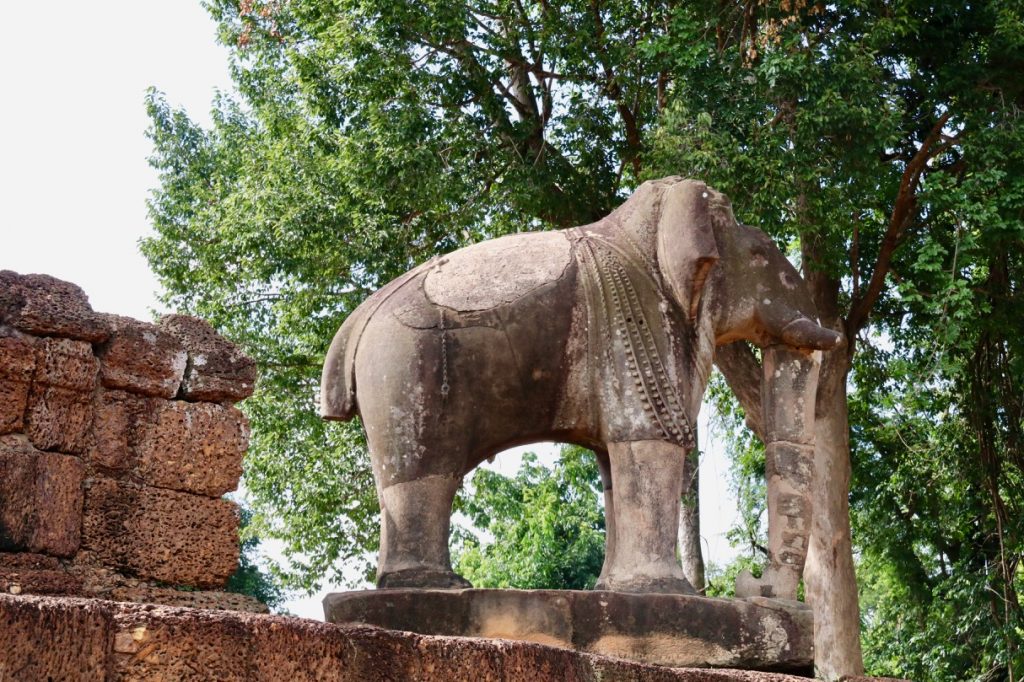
point(118, 439)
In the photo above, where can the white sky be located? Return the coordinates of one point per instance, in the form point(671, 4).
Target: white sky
point(74, 176)
point(73, 170)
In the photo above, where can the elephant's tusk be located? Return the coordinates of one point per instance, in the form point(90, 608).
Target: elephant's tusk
point(803, 333)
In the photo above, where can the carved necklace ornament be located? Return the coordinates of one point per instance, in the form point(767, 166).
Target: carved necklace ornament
point(615, 293)
point(445, 386)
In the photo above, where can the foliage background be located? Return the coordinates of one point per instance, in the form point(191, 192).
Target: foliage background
point(879, 142)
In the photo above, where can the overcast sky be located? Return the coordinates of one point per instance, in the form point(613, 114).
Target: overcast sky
point(73, 172)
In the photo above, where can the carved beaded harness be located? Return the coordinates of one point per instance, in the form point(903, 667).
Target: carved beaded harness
point(611, 278)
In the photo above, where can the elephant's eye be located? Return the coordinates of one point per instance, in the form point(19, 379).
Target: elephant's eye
point(759, 256)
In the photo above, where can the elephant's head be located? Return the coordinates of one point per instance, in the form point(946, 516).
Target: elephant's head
point(755, 292)
point(732, 279)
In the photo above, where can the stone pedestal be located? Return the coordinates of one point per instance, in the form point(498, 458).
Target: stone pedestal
point(77, 639)
point(663, 629)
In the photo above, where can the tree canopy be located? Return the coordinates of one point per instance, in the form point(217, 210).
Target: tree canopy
point(364, 138)
point(879, 142)
point(541, 529)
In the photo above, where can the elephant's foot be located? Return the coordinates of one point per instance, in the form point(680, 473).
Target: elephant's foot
point(415, 518)
point(780, 583)
point(426, 578)
point(646, 585)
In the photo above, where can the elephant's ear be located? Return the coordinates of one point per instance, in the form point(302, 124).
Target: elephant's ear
point(686, 242)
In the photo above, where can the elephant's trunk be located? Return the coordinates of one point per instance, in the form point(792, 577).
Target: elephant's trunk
point(788, 398)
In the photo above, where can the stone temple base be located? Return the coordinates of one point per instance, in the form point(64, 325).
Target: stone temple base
point(86, 640)
point(69, 638)
point(663, 629)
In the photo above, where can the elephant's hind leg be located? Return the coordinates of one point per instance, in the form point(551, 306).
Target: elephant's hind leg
point(415, 520)
point(647, 480)
point(604, 467)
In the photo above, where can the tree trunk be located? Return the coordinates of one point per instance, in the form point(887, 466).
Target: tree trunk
point(829, 574)
point(689, 522)
point(829, 578)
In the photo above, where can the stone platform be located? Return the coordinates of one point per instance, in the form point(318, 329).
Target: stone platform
point(663, 629)
point(65, 638)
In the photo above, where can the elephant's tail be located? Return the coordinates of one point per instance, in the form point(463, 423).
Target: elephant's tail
point(338, 381)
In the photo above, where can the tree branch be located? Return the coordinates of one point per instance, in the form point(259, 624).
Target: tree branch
point(662, 90)
point(528, 29)
point(902, 212)
point(463, 54)
point(855, 256)
point(614, 90)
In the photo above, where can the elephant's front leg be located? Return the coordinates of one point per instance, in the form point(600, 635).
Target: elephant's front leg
point(787, 398)
point(647, 480)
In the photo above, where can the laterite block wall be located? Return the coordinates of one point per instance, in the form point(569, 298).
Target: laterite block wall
point(118, 439)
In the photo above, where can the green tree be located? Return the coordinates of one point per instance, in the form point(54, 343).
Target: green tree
point(366, 136)
point(939, 409)
point(542, 529)
point(829, 125)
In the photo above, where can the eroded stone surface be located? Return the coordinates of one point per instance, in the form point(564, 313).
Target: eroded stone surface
point(130, 642)
point(102, 582)
point(60, 408)
point(114, 429)
point(164, 535)
point(36, 577)
point(66, 363)
point(217, 370)
point(192, 447)
point(40, 499)
point(196, 599)
point(789, 379)
point(142, 358)
point(59, 418)
point(665, 629)
point(28, 561)
point(38, 574)
point(196, 447)
point(46, 306)
point(29, 573)
point(498, 271)
point(17, 364)
point(52, 639)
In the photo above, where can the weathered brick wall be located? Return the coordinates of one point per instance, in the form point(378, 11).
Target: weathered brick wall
point(117, 440)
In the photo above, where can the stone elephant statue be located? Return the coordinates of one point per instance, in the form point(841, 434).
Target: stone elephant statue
point(601, 335)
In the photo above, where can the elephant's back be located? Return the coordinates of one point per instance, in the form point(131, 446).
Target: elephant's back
point(498, 271)
point(441, 387)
